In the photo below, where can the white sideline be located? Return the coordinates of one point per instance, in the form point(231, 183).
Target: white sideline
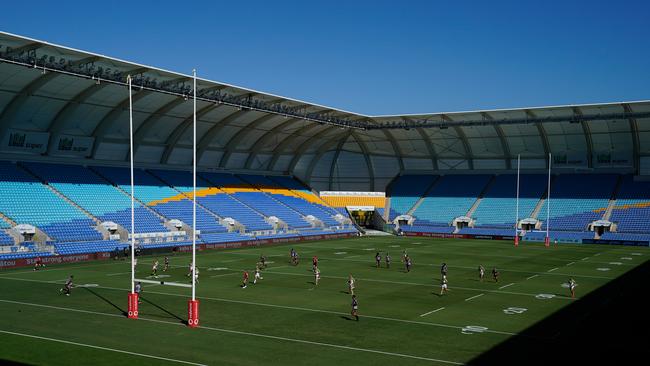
point(222, 330)
point(100, 347)
point(432, 311)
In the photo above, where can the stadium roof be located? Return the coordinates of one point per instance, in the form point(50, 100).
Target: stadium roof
point(65, 103)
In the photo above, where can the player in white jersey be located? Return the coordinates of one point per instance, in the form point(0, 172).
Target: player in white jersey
point(351, 285)
point(316, 276)
point(154, 269)
point(196, 274)
point(443, 285)
point(189, 270)
point(481, 272)
point(258, 276)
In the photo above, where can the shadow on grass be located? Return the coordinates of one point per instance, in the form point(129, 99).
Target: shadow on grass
point(122, 311)
point(606, 326)
point(11, 363)
point(183, 321)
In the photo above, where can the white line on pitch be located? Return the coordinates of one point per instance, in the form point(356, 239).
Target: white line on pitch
point(508, 285)
point(222, 330)
point(117, 274)
point(474, 297)
point(584, 259)
point(533, 276)
point(99, 347)
point(432, 311)
point(570, 264)
point(552, 269)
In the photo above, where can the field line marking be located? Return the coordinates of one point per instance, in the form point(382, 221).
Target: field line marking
point(552, 269)
point(570, 264)
point(177, 284)
point(280, 307)
point(420, 284)
point(432, 311)
point(225, 274)
point(533, 276)
point(508, 285)
point(474, 297)
point(584, 259)
point(117, 274)
point(222, 330)
point(99, 347)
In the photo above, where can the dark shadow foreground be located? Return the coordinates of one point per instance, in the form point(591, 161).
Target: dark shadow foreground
point(607, 326)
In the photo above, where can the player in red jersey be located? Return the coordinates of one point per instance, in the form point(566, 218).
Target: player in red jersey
point(38, 264)
point(245, 280)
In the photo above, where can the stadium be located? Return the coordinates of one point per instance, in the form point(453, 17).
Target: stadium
point(540, 195)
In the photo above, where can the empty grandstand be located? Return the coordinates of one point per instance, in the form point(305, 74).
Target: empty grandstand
point(274, 168)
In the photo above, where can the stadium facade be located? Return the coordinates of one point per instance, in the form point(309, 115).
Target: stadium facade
point(64, 124)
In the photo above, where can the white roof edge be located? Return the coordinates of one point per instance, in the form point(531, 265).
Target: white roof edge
point(513, 109)
point(315, 104)
point(179, 73)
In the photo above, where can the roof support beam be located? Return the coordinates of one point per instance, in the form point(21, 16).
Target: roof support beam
point(634, 129)
point(542, 135)
point(587, 132)
point(213, 132)
point(339, 138)
point(366, 155)
point(463, 138)
point(261, 141)
point(239, 136)
point(297, 153)
point(430, 147)
point(21, 97)
point(396, 148)
point(332, 166)
point(177, 133)
point(287, 141)
point(504, 144)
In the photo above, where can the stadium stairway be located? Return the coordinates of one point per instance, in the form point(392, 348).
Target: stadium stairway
point(58, 193)
point(487, 187)
point(424, 195)
point(128, 194)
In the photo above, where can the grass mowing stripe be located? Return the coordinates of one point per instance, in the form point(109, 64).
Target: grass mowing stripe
point(474, 297)
point(419, 284)
point(100, 348)
point(222, 330)
point(281, 307)
point(433, 311)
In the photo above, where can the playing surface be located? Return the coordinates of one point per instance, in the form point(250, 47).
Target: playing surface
point(285, 319)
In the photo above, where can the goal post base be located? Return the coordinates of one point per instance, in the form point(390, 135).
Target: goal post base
point(547, 242)
point(193, 313)
point(133, 306)
point(516, 240)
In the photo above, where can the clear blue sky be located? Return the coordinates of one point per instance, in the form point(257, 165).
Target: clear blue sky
point(372, 57)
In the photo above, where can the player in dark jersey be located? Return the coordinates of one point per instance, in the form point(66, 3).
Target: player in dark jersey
point(245, 280)
point(314, 263)
point(378, 260)
point(495, 274)
point(387, 260)
point(263, 261)
point(443, 269)
point(408, 263)
point(355, 307)
point(38, 264)
point(138, 290)
point(572, 287)
point(67, 287)
point(166, 264)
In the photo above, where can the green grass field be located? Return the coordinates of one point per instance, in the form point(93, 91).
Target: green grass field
point(285, 319)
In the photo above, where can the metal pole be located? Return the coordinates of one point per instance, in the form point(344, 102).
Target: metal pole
point(548, 197)
point(194, 194)
point(132, 189)
point(517, 218)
